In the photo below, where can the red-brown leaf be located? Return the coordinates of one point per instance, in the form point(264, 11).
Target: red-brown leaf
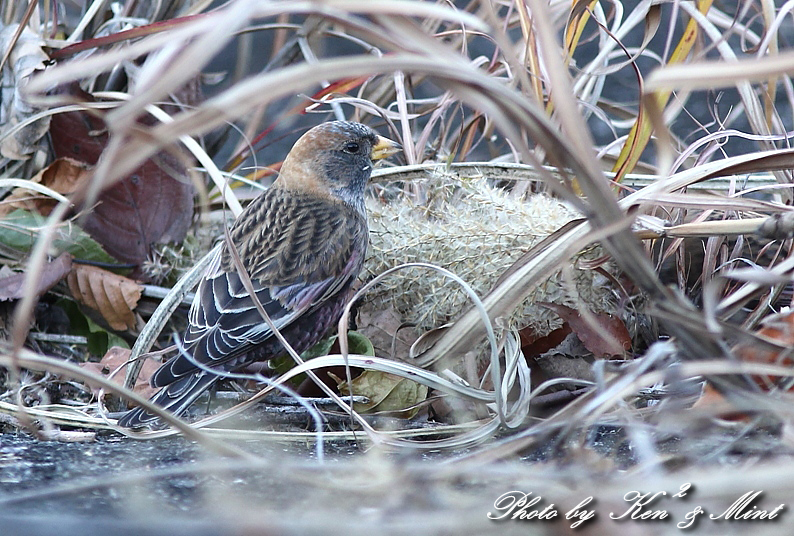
point(116, 357)
point(11, 287)
point(778, 330)
point(533, 345)
point(607, 338)
point(154, 204)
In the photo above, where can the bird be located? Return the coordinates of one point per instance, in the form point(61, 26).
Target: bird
point(302, 242)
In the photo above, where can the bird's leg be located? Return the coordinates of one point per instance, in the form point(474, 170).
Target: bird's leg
point(213, 389)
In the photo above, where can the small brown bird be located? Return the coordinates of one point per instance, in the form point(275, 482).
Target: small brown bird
point(302, 242)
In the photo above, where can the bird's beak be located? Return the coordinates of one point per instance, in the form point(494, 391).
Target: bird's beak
point(384, 148)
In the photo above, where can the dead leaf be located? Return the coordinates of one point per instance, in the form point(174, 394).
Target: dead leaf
point(533, 345)
point(778, 330)
point(11, 286)
point(550, 366)
point(154, 204)
point(559, 354)
point(609, 338)
point(27, 57)
point(64, 175)
point(386, 393)
point(115, 358)
point(146, 208)
point(387, 332)
point(114, 296)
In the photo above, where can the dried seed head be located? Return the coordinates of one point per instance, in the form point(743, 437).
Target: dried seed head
point(477, 231)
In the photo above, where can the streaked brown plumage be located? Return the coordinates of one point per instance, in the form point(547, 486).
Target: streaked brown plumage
point(302, 242)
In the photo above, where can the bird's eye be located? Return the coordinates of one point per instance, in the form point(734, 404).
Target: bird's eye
point(351, 147)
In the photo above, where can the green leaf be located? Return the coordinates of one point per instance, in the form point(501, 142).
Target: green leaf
point(357, 343)
point(19, 230)
point(99, 339)
point(320, 349)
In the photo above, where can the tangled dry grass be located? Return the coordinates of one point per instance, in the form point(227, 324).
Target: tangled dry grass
point(489, 83)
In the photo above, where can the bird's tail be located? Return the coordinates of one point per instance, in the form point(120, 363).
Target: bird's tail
point(175, 398)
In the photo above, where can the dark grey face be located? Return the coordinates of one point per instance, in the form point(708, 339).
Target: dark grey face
point(348, 165)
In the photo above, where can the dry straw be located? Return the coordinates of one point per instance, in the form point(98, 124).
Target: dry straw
point(522, 92)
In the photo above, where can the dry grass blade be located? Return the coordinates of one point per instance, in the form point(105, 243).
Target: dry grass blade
point(712, 74)
point(32, 361)
point(484, 95)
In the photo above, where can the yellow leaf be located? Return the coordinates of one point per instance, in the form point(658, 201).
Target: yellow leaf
point(386, 393)
point(641, 131)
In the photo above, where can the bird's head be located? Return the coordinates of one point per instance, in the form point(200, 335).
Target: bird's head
point(335, 158)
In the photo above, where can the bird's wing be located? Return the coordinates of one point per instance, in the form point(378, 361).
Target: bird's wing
point(297, 252)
